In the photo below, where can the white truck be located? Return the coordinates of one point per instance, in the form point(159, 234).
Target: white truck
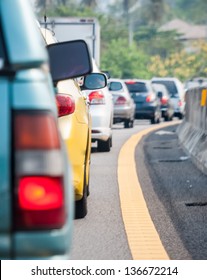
point(73, 28)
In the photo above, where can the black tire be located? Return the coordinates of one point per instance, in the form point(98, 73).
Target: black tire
point(104, 146)
point(127, 123)
point(152, 120)
point(166, 118)
point(81, 205)
point(180, 116)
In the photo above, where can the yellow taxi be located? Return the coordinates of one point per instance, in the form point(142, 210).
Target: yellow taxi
point(76, 133)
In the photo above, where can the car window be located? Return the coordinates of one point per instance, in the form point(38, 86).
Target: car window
point(136, 87)
point(162, 88)
point(114, 86)
point(170, 85)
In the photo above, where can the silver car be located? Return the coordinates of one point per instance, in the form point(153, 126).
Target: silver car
point(124, 106)
point(101, 109)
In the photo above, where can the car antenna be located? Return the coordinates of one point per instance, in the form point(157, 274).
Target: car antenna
point(45, 16)
point(45, 19)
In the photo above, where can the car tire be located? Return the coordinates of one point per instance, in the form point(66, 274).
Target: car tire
point(167, 118)
point(81, 205)
point(153, 120)
point(180, 116)
point(104, 146)
point(127, 123)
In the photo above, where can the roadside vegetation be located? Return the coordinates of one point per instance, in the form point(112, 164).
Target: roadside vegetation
point(131, 44)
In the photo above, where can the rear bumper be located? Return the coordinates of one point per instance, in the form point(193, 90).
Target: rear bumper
point(121, 114)
point(101, 123)
point(43, 245)
point(145, 112)
point(101, 133)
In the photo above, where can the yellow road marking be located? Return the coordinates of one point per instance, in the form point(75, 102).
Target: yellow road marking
point(143, 239)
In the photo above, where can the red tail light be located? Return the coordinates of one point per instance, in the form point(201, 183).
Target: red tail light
point(40, 203)
point(40, 193)
point(130, 82)
point(164, 100)
point(180, 103)
point(121, 100)
point(150, 98)
point(65, 104)
point(35, 131)
point(96, 97)
point(39, 187)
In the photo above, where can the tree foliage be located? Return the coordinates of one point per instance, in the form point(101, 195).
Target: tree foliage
point(192, 10)
point(123, 61)
point(151, 52)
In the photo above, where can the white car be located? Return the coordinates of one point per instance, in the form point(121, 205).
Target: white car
point(102, 110)
point(177, 93)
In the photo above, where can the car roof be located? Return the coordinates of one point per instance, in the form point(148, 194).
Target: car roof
point(173, 79)
point(116, 80)
point(138, 80)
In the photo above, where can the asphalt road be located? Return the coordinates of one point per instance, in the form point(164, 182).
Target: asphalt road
point(175, 192)
point(101, 234)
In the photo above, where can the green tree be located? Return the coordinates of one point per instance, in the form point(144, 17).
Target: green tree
point(157, 43)
point(192, 10)
point(123, 61)
point(89, 3)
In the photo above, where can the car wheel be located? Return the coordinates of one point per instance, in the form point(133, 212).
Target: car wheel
point(127, 123)
point(81, 205)
point(132, 123)
point(180, 116)
point(152, 120)
point(166, 118)
point(104, 146)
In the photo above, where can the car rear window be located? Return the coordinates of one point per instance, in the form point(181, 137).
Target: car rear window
point(136, 87)
point(115, 86)
point(170, 85)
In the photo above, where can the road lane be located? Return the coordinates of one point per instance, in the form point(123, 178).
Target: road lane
point(101, 235)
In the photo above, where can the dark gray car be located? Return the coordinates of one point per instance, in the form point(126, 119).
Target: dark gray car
point(146, 100)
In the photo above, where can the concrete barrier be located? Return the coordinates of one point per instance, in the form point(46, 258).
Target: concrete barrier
point(192, 132)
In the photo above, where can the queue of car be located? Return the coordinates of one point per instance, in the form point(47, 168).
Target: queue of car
point(44, 120)
point(54, 102)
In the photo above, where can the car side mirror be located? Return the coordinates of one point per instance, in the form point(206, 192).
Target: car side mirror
point(94, 81)
point(69, 59)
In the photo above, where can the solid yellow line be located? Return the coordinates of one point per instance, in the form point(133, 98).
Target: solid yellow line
point(143, 239)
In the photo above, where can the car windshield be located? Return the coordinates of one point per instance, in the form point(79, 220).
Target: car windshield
point(170, 85)
point(115, 86)
point(136, 87)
